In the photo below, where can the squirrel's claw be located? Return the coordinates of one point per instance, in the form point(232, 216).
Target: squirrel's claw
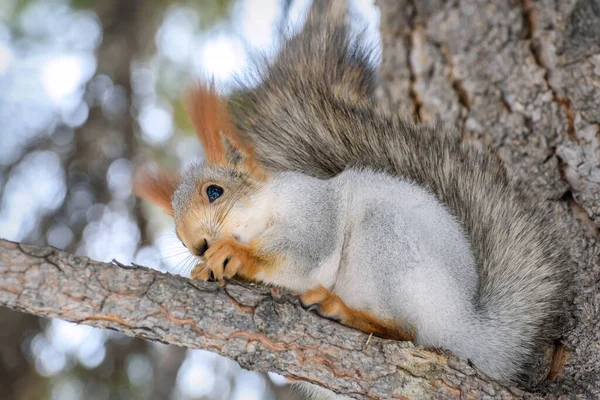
point(201, 272)
point(323, 303)
point(223, 260)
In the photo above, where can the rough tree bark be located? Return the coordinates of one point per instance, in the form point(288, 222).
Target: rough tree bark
point(261, 329)
point(524, 77)
point(520, 76)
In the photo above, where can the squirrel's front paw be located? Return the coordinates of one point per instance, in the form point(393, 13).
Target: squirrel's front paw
point(224, 258)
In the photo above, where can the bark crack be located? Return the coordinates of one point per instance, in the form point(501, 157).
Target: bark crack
point(412, 75)
point(538, 48)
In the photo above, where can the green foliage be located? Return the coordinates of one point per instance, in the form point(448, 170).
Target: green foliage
point(180, 117)
point(210, 12)
point(83, 4)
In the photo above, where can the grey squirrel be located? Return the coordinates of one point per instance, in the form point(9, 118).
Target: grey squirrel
point(388, 226)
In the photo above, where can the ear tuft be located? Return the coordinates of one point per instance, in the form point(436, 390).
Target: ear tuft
point(156, 187)
point(208, 114)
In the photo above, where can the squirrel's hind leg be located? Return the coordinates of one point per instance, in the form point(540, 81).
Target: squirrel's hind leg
point(329, 305)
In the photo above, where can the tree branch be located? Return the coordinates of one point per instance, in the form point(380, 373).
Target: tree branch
point(258, 327)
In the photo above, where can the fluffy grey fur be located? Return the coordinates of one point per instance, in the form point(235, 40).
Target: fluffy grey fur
point(312, 112)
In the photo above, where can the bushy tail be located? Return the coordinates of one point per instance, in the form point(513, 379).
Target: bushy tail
point(313, 113)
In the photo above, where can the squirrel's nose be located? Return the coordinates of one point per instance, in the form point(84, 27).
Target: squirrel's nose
point(202, 247)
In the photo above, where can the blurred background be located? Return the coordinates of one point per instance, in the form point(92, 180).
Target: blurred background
point(87, 90)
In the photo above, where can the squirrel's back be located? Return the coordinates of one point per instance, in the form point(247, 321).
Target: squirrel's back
point(313, 112)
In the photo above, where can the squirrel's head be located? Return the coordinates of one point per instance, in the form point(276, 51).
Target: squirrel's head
point(214, 200)
point(217, 197)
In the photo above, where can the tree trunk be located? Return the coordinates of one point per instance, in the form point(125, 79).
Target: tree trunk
point(524, 78)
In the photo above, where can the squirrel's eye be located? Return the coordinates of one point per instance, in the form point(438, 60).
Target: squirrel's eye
point(214, 192)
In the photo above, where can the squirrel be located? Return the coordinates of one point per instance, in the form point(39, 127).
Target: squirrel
point(388, 226)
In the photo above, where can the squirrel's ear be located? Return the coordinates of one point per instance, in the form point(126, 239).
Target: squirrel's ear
point(208, 114)
point(218, 134)
point(157, 188)
point(238, 155)
point(234, 155)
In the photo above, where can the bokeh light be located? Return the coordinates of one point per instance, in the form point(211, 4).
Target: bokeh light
point(74, 130)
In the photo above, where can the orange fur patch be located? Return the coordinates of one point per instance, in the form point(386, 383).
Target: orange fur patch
point(158, 188)
point(330, 305)
point(209, 116)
